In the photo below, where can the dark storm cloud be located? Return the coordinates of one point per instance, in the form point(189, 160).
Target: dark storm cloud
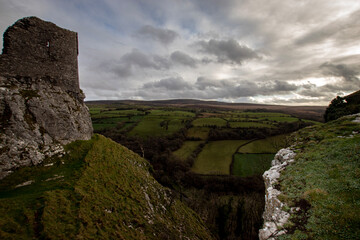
point(165, 36)
point(227, 50)
point(172, 84)
point(183, 58)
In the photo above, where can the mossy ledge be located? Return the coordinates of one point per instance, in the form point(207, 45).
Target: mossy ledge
point(98, 190)
point(320, 190)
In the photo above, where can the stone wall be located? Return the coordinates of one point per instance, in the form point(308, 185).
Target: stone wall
point(41, 104)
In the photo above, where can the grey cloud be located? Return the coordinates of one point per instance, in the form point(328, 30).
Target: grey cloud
point(202, 83)
point(345, 77)
point(137, 58)
point(183, 58)
point(327, 91)
point(121, 70)
point(132, 63)
point(341, 70)
point(281, 86)
point(230, 88)
point(165, 36)
point(339, 87)
point(343, 30)
point(228, 51)
point(312, 101)
point(173, 84)
point(315, 92)
point(208, 88)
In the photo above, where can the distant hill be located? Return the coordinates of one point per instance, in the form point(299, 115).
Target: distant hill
point(307, 112)
point(341, 106)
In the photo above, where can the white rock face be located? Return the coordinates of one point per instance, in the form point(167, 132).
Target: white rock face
point(37, 119)
point(274, 216)
point(41, 104)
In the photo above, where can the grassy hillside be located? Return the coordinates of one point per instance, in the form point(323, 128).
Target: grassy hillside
point(324, 182)
point(99, 190)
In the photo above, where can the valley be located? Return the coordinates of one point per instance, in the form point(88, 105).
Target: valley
point(211, 156)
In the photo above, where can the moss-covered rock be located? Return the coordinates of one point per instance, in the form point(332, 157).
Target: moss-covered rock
point(101, 190)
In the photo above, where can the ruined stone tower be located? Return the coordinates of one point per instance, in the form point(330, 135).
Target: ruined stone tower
point(41, 104)
point(35, 48)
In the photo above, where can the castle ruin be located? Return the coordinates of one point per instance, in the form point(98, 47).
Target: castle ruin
point(41, 104)
point(36, 48)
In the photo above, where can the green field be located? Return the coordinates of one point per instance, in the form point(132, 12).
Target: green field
point(173, 113)
point(279, 119)
point(249, 125)
point(198, 132)
point(155, 126)
point(216, 157)
point(211, 121)
point(187, 149)
point(246, 165)
point(120, 122)
point(261, 114)
point(98, 113)
point(267, 145)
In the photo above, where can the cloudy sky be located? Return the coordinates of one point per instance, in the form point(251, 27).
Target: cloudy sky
point(295, 52)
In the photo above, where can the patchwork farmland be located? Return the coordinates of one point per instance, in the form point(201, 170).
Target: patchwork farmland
point(205, 141)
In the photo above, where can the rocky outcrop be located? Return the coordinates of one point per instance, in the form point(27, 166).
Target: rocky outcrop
point(41, 104)
point(274, 215)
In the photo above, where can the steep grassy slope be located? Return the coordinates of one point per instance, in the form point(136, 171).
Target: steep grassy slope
point(325, 182)
point(99, 190)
